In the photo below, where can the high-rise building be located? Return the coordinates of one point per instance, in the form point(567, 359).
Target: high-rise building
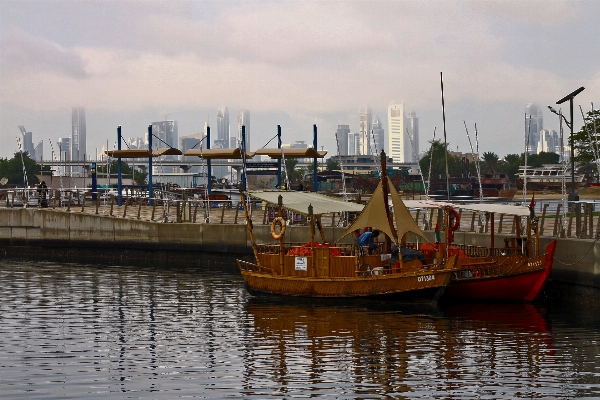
point(534, 124)
point(398, 146)
point(64, 152)
point(222, 140)
point(549, 142)
point(165, 135)
point(39, 151)
point(412, 124)
point(78, 136)
point(244, 119)
point(354, 144)
point(342, 138)
point(365, 120)
point(378, 135)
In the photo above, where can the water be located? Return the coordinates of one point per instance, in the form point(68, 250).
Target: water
point(76, 331)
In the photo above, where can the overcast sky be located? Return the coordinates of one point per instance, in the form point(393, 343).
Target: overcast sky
point(294, 63)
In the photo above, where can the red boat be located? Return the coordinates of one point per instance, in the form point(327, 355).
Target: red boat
point(517, 271)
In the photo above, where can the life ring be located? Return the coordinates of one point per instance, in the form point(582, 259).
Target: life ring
point(456, 220)
point(281, 222)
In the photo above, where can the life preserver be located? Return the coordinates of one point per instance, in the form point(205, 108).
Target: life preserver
point(281, 222)
point(456, 220)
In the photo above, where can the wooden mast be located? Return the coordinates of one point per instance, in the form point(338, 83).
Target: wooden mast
point(250, 227)
point(384, 185)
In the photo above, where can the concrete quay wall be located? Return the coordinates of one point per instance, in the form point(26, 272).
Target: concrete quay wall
point(56, 234)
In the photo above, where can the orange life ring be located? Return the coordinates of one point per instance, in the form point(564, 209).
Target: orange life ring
point(456, 220)
point(281, 222)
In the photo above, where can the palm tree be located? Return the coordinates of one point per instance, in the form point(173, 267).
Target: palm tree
point(491, 163)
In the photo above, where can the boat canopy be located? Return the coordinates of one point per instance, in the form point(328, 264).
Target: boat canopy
point(374, 216)
point(298, 202)
point(508, 209)
point(291, 153)
point(234, 154)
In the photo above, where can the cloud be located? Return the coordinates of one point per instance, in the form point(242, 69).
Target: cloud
point(23, 53)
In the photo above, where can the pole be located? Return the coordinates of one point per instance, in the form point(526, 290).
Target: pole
point(279, 161)
point(572, 196)
point(119, 179)
point(315, 183)
point(208, 162)
point(150, 193)
point(445, 143)
point(244, 157)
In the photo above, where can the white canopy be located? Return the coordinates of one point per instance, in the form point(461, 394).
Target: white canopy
point(298, 202)
point(508, 209)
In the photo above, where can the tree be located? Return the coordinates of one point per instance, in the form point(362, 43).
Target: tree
point(13, 169)
point(332, 165)
point(490, 163)
point(455, 166)
point(586, 141)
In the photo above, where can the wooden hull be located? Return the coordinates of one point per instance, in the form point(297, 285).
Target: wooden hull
point(524, 284)
point(427, 285)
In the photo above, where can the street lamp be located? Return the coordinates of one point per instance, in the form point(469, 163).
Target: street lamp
point(572, 196)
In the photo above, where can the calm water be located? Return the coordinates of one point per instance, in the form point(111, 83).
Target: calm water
point(74, 331)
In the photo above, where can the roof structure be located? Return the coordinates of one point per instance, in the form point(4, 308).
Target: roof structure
point(508, 209)
point(291, 153)
point(298, 202)
point(234, 154)
point(141, 153)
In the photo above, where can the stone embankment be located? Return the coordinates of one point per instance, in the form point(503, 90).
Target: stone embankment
point(185, 232)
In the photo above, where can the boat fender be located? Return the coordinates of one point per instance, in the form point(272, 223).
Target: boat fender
point(456, 220)
point(281, 222)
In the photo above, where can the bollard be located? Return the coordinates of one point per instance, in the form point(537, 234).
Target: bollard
point(97, 204)
point(195, 209)
point(139, 209)
point(70, 199)
point(125, 209)
point(153, 209)
point(112, 203)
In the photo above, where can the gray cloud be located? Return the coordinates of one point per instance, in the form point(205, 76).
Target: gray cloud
point(25, 53)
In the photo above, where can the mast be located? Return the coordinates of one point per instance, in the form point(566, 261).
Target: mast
point(445, 142)
point(384, 185)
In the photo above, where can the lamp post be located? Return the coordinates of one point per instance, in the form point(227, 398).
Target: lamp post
point(572, 196)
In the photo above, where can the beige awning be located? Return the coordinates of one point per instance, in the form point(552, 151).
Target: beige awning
point(166, 151)
point(508, 209)
point(298, 202)
point(291, 153)
point(234, 154)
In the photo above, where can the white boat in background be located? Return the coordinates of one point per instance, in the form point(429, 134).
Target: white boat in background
point(549, 176)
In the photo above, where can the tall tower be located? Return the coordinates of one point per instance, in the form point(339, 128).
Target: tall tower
point(167, 134)
point(533, 125)
point(378, 133)
point(397, 139)
point(342, 137)
point(244, 119)
point(412, 124)
point(222, 140)
point(365, 119)
point(78, 137)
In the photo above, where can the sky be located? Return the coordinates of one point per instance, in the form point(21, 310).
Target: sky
point(294, 63)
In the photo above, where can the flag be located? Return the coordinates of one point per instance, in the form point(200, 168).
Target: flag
point(532, 207)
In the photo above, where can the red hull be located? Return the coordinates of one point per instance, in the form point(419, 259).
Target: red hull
point(519, 287)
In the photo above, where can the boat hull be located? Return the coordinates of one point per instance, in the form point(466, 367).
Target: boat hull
point(513, 287)
point(427, 285)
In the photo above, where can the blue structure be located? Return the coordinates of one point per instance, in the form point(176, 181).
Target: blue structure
point(150, 191)
point(119, 179)
point(280, 161)
point(208, 162)
point(315, 183)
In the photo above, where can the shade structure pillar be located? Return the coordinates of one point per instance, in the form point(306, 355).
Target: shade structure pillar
point(150, 192)
point(243, 145)
point(119, 179)
point(280, 162)
point(315, 183)
point(208, 162)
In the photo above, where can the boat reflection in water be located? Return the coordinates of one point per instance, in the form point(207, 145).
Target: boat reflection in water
point(397, 350)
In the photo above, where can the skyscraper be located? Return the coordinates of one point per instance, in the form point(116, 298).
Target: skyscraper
point(378, 134)
point(165, 135)
point(533, 125)
point(412, 124)
point(342, 138)
point(244, 119)
point(365, 119)
point(222, 140)
point(78, 137)
point(398, 146)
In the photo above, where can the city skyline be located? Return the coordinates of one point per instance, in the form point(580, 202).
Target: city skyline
point(187, 59)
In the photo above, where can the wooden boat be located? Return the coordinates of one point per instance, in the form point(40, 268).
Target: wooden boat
point(515, 272)
point(340, 270)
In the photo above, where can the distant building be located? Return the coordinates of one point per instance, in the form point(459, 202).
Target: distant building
point(549, 142)
point(398, 145)
point(64, 152)
point(412, 124)
point(78, 135)
point(222, 139)
point(378, 134)
point(354, 144)
point(38, 152)
point(165, 135)
point(342, 138)
point(365, 120)
point(244, 119)
point(534, 124)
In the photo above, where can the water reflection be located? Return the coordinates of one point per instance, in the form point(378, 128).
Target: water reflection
point(90, 331)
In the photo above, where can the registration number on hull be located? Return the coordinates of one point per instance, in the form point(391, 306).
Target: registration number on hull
point(425, 278)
